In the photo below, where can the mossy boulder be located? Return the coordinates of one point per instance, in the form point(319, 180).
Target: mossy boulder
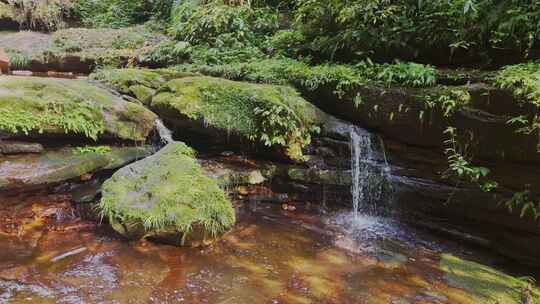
point(55, 166)
point(486, 284)
point(139, 83)
point(63, 107)
point(273, 115)
point(167, 197)
point(79, 50)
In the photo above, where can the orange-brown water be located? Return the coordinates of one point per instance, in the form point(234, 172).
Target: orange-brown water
point(271, 256)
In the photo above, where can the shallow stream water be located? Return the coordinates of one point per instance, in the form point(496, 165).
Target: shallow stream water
point(271, 256)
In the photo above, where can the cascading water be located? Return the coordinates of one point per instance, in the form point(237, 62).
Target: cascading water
point(368, 177)
point(368, 222)
point(361, 152)
point(165, 135)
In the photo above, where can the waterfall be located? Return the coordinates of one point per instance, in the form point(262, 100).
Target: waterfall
point(165, 135)
point(361, 153)
point(369, 176)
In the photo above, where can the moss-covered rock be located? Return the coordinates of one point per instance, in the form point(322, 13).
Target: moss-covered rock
point(139, 83)
point(167, 197)
point(274, 115)
point(486, 284)
point(78, 49)
point(69, 107)
point(36, 170)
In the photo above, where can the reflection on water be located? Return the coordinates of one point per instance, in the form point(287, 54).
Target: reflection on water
point(271, 256)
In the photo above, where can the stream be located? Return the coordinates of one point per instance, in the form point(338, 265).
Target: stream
point(271, 256)
point(55, 251)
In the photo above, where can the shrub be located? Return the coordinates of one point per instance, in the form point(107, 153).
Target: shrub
point(216, 24)
point(43, 15)
point(361, 28)
point(119, 13)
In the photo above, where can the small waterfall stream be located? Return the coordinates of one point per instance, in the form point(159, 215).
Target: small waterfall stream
point(165, 135)
point(368, 177)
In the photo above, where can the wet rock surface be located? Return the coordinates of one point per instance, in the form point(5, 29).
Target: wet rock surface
point(28, 171)
point(18, 147)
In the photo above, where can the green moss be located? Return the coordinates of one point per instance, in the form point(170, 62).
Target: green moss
point(6, 11)
point(274, 115)
point(96, 47)
point(167, 190)
point(136, 82)
point(93, 149)
point(34, 104)
point(48, 105)
point(486, 284)
point(341, 78)
point(522, 79)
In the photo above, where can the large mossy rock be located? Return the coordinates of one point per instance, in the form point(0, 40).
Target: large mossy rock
point(485, 284)
point(24, 171)
point(224, 110)
point(273, 115)
point(167, 197)
point(74, 108)
point(78, 50)
point(139, 83)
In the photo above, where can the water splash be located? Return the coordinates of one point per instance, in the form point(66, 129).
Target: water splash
point(165, 134)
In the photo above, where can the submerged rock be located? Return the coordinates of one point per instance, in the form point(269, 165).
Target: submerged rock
point(35, 170)
point(75, 108)
point(167, 197)
point(484, 283)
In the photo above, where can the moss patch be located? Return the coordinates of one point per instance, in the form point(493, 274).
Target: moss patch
point(486, 284)
point(139, 83)
point(46, 105)
point(167, 191)
point(522, 79)
point(6, 12)
point(93, 47)
point(274, 115)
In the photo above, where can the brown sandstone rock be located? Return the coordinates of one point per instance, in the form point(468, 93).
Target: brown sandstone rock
point(4, 62)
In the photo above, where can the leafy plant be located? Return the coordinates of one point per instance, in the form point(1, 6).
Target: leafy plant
point(41, 15)
point(459, 163)
point(524, 82)
point(364, 28)
point(407, 74)
point(121, 13)
point(18, 60)
point(275, 127)
point(216, 24)
point(523, 202)
point(522, 79)
point(447, 100)
point(93, 149)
